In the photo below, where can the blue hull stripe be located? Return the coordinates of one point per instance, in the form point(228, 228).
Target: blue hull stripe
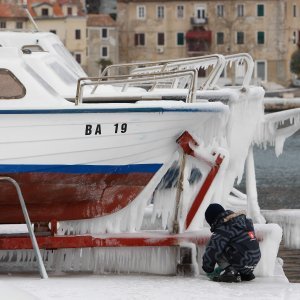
point(110, 110)
point(81, 169)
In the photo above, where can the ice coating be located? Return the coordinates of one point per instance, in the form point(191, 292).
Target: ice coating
point(289, 220)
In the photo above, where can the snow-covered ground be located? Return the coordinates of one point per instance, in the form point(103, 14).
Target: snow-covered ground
point(112, 286)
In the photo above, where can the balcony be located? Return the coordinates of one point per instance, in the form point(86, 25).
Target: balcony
point(198, 41)
point(198, 21)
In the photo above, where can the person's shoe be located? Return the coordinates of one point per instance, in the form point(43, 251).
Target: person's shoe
point(247, 277)
point(228, 275)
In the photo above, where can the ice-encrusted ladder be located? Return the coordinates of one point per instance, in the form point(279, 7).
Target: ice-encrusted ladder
point(42, 268)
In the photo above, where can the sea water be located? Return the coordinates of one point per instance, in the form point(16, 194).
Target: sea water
point(278, 178)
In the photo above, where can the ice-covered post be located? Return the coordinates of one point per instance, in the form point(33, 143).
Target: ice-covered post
point(253, 209)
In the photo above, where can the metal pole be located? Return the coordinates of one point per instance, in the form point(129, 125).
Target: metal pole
point(42, 269)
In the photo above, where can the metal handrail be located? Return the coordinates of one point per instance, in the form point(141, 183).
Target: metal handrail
point(218, 62)
point(35, 246)
point(138, 78)
point(162, 63)
point(215, 60)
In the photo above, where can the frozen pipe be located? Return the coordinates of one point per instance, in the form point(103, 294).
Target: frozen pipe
point(28, 223)
point(253, 209)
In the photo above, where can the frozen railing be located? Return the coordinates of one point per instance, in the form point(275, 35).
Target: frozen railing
point(171, 74)
point(216, 62)
point(124, 81)
point(242, 58)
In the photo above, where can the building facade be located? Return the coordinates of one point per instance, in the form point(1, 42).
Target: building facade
point(156, 30)
point(67, 19)
point(12, 17)
point(103, 43)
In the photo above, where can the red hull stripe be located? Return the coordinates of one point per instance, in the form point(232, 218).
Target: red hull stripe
point(69, 196)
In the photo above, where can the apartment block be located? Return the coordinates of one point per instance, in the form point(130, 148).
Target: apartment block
point(157, 30)
point(103, 43)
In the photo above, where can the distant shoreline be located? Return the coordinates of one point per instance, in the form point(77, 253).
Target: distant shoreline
point(273, 104)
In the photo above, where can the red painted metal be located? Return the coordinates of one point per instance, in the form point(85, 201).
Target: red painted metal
point(203, 190)
point(69, 196)
point(88, 241)
point(53, 225)
point(184, 141)
point(141, 239)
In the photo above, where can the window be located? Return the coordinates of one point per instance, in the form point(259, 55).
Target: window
point(261, 70)
point(3, 24)
point(141, 12)
point(294, 37)
point(78, 57)
point(180, 38)
point(45, 12)
point(62, 72)
point(139, 39)
point(77, 34)
point(220, 38)
point(104, 51)
point(220, 10)
point(10, 86)
point(19, 25)
point(240, 10)
point(53, 31)
point(104, 33)
point(180, 11)
point(260, 10)
point(160, 39)
point(200, 13)
point(260, 37)
point(294, 10)
point(240, 37)
point(69, 11)
point(160, 12)
point(33, 48)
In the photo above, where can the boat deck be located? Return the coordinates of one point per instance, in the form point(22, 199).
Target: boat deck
point(291, 265)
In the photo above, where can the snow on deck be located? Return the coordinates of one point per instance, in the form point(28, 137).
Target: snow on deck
point(145, 287)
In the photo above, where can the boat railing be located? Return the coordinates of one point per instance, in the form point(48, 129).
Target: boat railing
point(166, 74)
point(216, 62)
point(240, 59)
point(170, 79)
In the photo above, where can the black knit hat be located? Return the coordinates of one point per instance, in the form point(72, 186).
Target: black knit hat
point(212, 212)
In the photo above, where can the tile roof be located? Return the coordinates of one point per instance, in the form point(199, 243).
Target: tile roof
point(100, 20)
point(57, 11)
point(11, 11)
point(57, 6)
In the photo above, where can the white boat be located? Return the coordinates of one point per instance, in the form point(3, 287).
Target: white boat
point(88, 160)
point(91, 153)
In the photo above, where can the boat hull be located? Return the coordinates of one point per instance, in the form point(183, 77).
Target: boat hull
point(84, 164)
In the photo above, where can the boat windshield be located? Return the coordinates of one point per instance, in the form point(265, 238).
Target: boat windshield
point(40, 80)
point(69, 60)
point(63, 73)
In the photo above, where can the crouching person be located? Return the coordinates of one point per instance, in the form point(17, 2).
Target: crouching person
point(233, 246)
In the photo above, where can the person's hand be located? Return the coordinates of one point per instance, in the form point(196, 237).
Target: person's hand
point(216, 272)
